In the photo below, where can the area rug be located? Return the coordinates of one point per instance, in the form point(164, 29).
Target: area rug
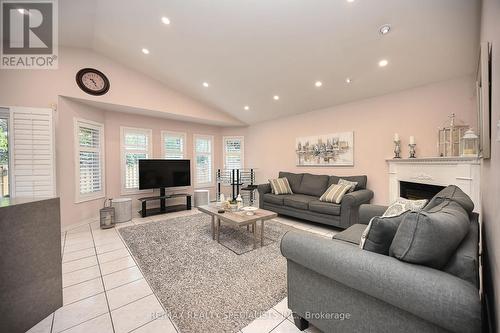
point(206, 286)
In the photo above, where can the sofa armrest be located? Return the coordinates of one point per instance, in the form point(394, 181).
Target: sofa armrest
point(263, 189)
point(367, 212)
point(349, 207)
point(433, 295)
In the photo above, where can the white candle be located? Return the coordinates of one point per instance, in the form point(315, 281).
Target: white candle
point(412, 140)
point(396, 137)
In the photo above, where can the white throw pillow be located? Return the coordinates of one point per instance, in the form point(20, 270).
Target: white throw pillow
point(402, 205)
point(347, 182)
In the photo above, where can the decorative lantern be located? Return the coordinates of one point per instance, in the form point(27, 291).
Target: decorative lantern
point(450, 137)
point(469, 144)
point(107, 214)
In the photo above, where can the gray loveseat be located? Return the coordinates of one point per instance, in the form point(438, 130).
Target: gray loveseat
point(304, 202)
point(338, 287)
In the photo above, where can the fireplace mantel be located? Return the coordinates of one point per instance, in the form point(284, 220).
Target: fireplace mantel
point(463, 172)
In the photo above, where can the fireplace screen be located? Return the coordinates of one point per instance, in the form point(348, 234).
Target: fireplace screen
point(417, 191)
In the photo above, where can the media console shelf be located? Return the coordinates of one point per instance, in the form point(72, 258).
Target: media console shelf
point(163, 207)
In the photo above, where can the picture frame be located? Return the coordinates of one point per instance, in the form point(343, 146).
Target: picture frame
point(336, 149)
point(483, 93)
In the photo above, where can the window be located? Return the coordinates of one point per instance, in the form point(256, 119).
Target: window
point(135, 145)
point(203, 156)
point(4, 153)
point(173, 144)
point(233, 152)
point(89, 138)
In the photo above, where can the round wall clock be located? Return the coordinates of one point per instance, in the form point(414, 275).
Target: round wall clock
point(92, 81)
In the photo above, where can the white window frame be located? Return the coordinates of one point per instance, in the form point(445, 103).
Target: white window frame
point(123, 130)
point(165, 134)
point(242, 152)
point(211, 183)
point(100, 127)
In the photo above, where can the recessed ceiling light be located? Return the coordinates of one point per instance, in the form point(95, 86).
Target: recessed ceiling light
point(350, 0)
point(206, 85)
point(165, 20)
point(276, 97)
point(246, 107)
point(383, 63)
point(384, 30)
point(145, 51)
point(348, 80)
point(318, 84)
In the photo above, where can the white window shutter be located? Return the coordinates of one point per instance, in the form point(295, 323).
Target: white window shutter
point(203, 160)
point(32, 153)
point(233, 152)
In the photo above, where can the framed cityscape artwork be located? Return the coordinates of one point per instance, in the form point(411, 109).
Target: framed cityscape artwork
point(326, 150)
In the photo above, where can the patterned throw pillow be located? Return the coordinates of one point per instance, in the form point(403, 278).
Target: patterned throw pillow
point(402, 205)
point(347, 182)
point(335, 193)
point(280, 186)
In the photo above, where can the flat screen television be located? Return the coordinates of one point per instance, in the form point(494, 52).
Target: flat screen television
point(164, 173)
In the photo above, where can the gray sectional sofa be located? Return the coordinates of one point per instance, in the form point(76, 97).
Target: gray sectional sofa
point(339, 287)
point(304, 202)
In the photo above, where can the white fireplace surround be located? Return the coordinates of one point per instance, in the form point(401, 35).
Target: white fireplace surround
point(443, 171)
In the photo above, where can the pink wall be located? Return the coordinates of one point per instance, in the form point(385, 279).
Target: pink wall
point(41, 88)
point(490, 31)
point(270, 145)
point(74, 213)
point(45, 88)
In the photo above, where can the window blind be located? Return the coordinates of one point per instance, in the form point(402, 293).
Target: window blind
point(173, 145)
point(90, 159)
point(203, 159)
point(136, 145)
point(233, 152)
point(32, 152)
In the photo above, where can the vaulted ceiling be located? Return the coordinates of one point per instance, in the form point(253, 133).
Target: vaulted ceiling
point(251, 50)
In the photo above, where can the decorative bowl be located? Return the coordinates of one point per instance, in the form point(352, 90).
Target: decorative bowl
point(249, 210)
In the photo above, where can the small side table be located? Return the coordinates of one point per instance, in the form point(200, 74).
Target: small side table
point(201, 197)
point(123, 209)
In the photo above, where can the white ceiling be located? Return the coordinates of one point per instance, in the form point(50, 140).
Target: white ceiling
point(250, 50)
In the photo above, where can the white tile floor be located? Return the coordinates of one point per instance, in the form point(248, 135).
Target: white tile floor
point(105, 291)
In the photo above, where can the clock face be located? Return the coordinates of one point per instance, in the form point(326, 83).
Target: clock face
point(92, 81)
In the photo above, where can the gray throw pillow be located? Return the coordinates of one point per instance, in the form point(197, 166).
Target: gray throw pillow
point(378, 236)
point(452, 193)
point(431, 237)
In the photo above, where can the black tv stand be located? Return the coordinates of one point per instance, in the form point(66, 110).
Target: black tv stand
point(163, 206)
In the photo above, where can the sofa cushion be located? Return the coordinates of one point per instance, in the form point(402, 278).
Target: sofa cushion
point(324, 208)
point(380, 233)
point(280, 186)
point(274, 199)
point(353, 185)
point(464, 262)
point(361, 180)
point(335, 193)
point(299, 201)
point(313, 184)
point(294, 179)
point(351, 234)
point(431, 237)
point(402, 205)
point(453, 193)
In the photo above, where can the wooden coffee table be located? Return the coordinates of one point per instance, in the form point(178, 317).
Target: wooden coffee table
point(239, 219)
